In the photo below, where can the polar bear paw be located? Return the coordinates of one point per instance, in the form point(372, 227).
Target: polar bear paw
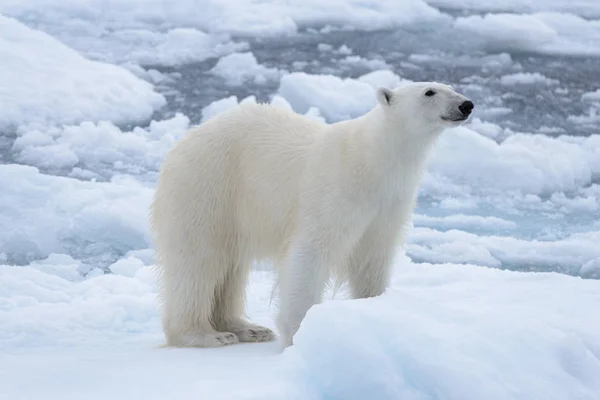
point(253, 333)
point(226, 338)
point(204, 339)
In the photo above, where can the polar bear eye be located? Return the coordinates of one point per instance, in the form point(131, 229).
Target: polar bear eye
point(429, 93)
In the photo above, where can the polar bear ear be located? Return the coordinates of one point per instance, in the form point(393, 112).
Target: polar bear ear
point(385, 96)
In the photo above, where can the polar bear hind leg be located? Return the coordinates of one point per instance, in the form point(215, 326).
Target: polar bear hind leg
point(228, 312)
point(188, 296)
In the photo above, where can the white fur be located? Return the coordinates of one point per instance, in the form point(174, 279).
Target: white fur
point(263, 183)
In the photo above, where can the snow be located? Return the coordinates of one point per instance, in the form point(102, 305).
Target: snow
point(128, 267)
point(337, 98)
point(358, 61)
point(218, 106)
point(238, 68)
point(590, 119)
point(177, 46)
point(566, 255)
point(324, 47)
point(382, 78)
point(462, 331)
point(40, 307)
point(422, 341)
point(544, 32)
point(487, 129)
point(54, 214)
point(464, 221)
point(99, 149)
point(527, 78)
point(343, 49)
point(522, 160)
point(43, 81)
point(591, 96)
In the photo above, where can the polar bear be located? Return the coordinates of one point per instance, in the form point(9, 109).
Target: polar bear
point(318, 200)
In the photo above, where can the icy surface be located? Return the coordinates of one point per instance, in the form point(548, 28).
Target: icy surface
point(174, 47)
point(586, 8)
point(126, 29)
point(534, 164)
point(238, 68)
point(52, 214)
point(337, 98)
point(461, 332)
point(548, 33)
point(526, 78)
point(43, 81)
point(99, 150)
point(93, 94)
point(421, 341)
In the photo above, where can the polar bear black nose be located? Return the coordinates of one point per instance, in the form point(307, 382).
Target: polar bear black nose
point(466, 107)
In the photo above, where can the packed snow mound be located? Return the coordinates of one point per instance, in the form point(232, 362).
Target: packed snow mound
point(461, 221)
point(382, 78)
point(566, 255)
point(101, 150)
point(527, 78)
point(239, 68)
point(175, 47)
point(522, 161)
point(543, 33)
point(336, 98)
point(591, 96)
point(457, 333)
point(43, 214)
point(60, 300)
point(44, 81)
point(47, 304)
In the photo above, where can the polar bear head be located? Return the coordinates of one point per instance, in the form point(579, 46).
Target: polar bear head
point(424, 106)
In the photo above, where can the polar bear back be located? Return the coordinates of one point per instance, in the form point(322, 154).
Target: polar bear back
point(239, 174)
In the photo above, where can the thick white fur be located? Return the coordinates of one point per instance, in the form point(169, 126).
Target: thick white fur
point(263, 183)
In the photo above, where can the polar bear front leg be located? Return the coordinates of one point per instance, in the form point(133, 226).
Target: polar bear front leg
point(369, 265)
point(301, 286)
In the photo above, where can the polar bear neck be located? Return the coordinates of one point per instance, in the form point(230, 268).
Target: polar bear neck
point(406, 147)
point(386, 160)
